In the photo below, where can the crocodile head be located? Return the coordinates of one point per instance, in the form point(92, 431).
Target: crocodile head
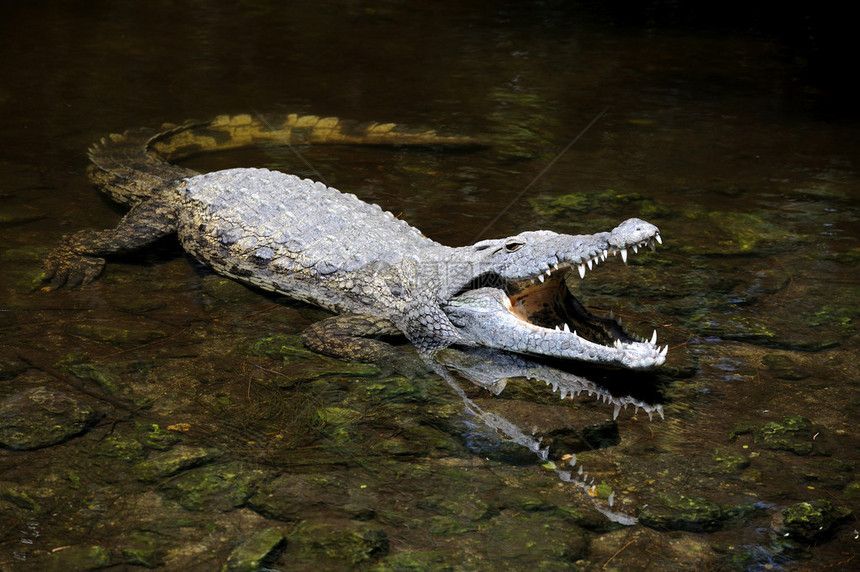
point(518, 300)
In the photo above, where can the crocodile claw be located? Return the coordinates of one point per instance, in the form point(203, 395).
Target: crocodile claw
point(64, 267)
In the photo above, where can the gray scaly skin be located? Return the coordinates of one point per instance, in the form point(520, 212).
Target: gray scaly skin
point(313, 243)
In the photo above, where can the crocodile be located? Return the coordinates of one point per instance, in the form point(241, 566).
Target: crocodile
point(379, 275)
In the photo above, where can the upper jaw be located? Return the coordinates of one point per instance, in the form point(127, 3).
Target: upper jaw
point(546, 252)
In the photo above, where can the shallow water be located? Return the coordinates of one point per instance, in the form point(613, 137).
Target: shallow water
point(208, 432)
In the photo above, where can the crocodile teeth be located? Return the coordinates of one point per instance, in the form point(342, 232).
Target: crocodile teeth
point(548, 272)
point(658, 239)
point(589, 263)
point(664, 351)
point(541, 278)
point(567, 329)
point(635, 249)
point(654, 338)
point(605, 254)
point(582, 270)
point(624, 255)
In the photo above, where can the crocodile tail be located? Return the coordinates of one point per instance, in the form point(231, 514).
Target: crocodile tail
point(132, 165)
point(124, 168)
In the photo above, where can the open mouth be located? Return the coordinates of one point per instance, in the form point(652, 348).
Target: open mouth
point(539, 315)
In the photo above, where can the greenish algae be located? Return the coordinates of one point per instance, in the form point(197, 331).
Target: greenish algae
point(728, 462)
point(682, 512)
point(41, 416)
point(336, 544)
point(222, 486)
point(794, 434)
point(810, 521)
point(253, 552)
point(119, 447)
point(172, 462)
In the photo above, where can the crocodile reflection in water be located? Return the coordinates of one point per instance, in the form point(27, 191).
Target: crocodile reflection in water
point(491, 369)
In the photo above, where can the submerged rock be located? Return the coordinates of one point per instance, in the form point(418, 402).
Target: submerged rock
point(809, 521)
point(794, 434)
point(172, 462)
point(215, 487)
point(336, 545)
point(41, 417)
point(254, 551)
point(682, 512)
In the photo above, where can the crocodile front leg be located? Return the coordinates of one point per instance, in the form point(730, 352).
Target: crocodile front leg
point(351, 336)
point(79, 258)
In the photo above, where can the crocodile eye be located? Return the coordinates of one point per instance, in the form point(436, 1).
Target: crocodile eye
point(513, 244)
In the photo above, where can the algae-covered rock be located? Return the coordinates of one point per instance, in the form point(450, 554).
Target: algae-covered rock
point(793, 434)
point(223, 486)
point(329, 544)
point(253, 552)
point(40, 417)
point(172, 462)
point(809, 521)
point(682, 512)
point(121, 448)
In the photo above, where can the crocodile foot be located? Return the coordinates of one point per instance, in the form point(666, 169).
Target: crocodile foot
point(65, 267)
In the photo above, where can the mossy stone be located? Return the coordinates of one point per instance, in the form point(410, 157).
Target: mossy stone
point(792, 434)
point(123, 448)
point(336, 544)
point(172, 462)
point(253, 552)
point(682, 512)
point(215, 487)
point(40, 417)
point(810, 521)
